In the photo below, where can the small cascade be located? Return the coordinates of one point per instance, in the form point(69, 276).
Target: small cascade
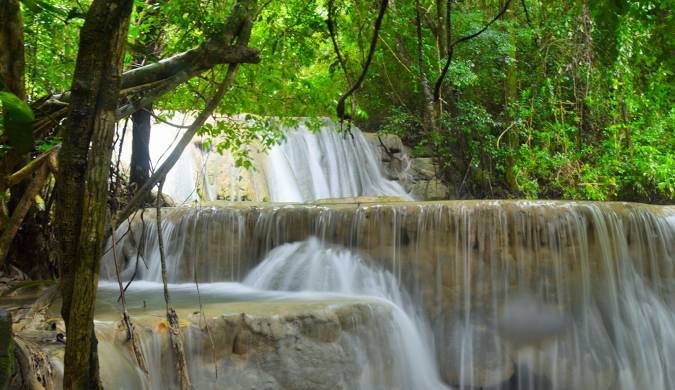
point(326, 164)
point(307, 166)
point(504, 294)
point(405, 340)
point(380, 339)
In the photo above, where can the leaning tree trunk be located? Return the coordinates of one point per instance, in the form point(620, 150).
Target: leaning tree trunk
point(82, 183)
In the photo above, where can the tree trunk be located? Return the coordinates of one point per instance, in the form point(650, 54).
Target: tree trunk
point(140, 148)
point(150, 40)
point(12, 64)
point(511, 96)
point(12, 61)
point(442, 30)
point(82, 182)
point(429, 113)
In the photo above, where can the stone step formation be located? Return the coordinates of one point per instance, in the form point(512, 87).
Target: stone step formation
point(349, 284)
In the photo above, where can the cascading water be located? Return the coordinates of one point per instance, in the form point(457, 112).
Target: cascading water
point(392, 350)
point(405, 340)
point(307, 166)
point(326, 164)
point(518, 295)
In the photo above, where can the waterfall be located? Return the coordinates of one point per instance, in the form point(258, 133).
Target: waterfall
point(311, 266)
point(522, 295)
point(326, 164)
point(306, 166)
point(392, 350)
point(181, 181)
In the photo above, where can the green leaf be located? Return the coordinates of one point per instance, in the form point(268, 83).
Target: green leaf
point(38, 6)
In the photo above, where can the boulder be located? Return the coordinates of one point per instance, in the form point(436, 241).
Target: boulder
point(423, 168)
point(296, 346)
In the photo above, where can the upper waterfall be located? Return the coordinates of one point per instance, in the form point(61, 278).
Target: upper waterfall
point(308, 165)
point(326, 164)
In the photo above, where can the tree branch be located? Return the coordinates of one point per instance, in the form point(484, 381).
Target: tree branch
point(439, 81)
point(153, 80)
point(20, 212)
point(191, 62)
point(166, 166)
point(333, 37)
point(29, 168)
point(371, 52)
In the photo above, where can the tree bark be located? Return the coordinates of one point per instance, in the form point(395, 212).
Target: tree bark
point(429, 113)
point(20, 211)
point(511, 96)
point(12, 61)
point(12, 64)
point(150, 41)
point(82, 182)
point(140, 148)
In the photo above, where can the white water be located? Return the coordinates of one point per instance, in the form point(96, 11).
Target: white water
point(181, 181)
point(543, 295)
point(327, 164)
point(307, 166)
point(406, 341)
point(394, 350)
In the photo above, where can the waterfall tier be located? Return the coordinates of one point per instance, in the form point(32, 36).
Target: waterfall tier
point(527, 295)
point(306, 166)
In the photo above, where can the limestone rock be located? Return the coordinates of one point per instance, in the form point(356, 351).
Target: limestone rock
point(392, 142)
point(220, 179)
point(423, 168)
point(433, 189)
point(475, 356)
point(167, 201)
point(296, 348)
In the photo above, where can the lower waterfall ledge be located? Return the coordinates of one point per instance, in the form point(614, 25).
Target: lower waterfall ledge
point(277, 344)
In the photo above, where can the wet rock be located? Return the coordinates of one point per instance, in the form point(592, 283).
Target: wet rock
point(166, 200)
point(298, 350)
point(391, 142)
point(249, 378)
point(221, 179)
point(473, 355)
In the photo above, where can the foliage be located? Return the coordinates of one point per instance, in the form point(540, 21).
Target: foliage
point(572, 100)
